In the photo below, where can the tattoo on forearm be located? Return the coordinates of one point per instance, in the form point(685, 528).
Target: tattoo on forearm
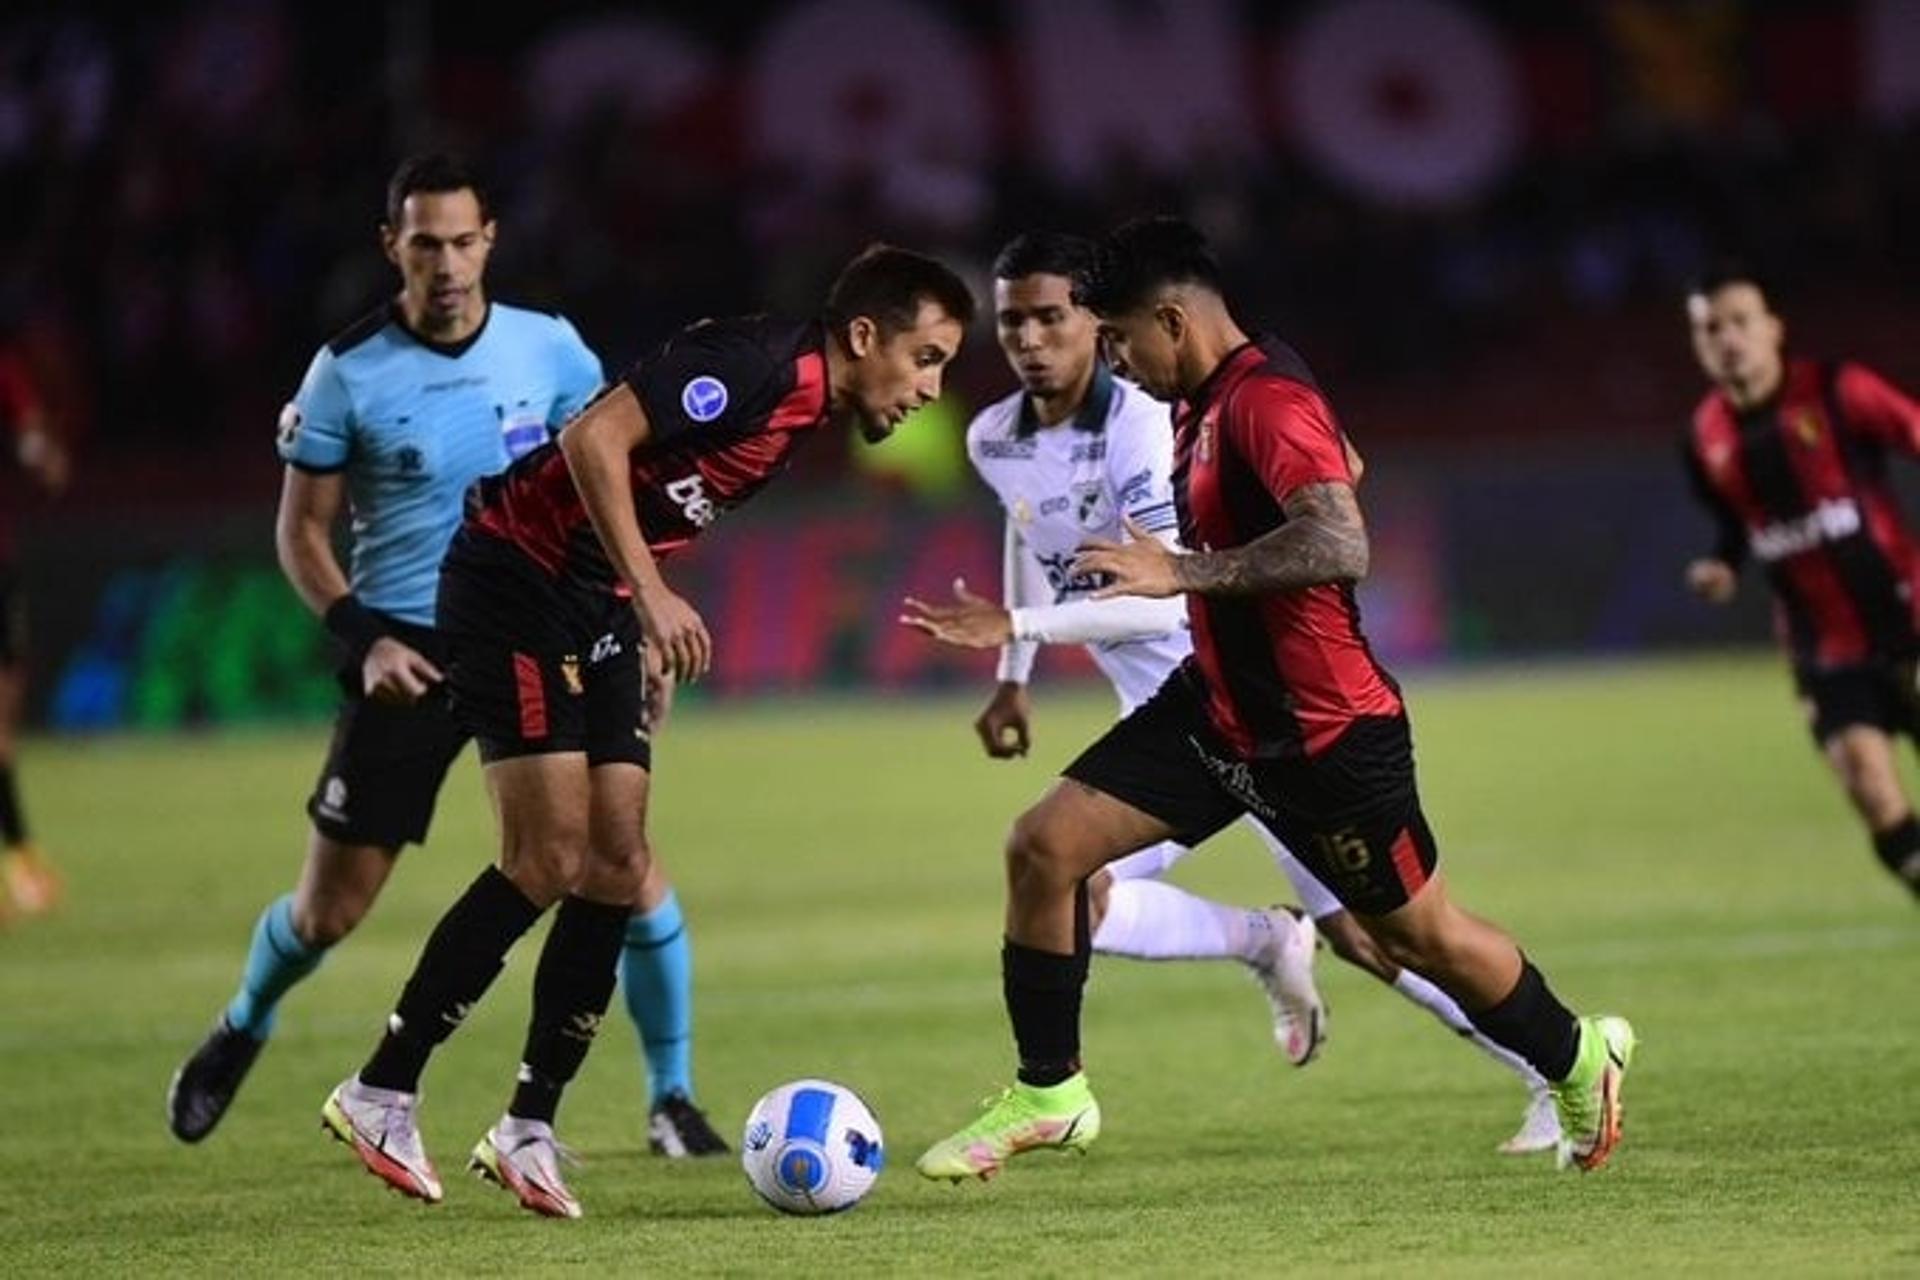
point(1324, 540)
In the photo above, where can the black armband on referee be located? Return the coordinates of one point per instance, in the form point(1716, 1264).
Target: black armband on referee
point(354, 625)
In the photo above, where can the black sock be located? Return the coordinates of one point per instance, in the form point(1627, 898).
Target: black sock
point(1042, 990)
point(571, 991)
point(460, 961)
point(1899, 849)
point(1533, 1023)
point(13, 824)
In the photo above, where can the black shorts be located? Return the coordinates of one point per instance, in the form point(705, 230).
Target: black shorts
point(540, 666)
point(13, 619)
point(1884, 695)
point(1351, 814)
point(387, 762)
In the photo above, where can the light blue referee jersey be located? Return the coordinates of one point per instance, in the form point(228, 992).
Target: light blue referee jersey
point(412, 423)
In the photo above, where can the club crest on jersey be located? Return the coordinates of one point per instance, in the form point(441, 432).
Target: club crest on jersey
point(570, 672)
point(1203, 447)
point(1806, 425)
point(704, 398)
point(1021, 511)
point(1090, 506)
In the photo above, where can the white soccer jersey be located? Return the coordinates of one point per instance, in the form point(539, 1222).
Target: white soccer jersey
point(1062, 485)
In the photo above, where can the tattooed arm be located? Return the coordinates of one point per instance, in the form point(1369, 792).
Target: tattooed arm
point(1324, 540)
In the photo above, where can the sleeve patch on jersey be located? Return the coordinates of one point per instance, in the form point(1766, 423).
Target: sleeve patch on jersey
point(704, 398)
point(289, 430)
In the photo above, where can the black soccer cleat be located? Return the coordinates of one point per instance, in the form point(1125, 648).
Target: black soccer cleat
point(205, 1083)
point(678, 1129)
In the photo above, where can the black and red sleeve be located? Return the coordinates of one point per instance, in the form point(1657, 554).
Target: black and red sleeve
point(712, 378)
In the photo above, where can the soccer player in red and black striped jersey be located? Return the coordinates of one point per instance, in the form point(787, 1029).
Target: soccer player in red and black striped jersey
point(28, 882)
point(1283, 712)
point(546, 594)
point(1790, 456)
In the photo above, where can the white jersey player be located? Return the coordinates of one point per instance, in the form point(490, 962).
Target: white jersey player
point(1076, 454)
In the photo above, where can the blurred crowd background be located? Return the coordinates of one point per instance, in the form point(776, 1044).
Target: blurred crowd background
point(1475, 220)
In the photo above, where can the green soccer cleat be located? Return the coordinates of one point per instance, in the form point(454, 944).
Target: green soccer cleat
point(1589, 1098)
point(1023, 1117)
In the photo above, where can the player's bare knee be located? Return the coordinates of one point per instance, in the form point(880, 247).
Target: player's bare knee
point(549, 865)
point(616, 873)
point(1040, 855)
point(320, 922)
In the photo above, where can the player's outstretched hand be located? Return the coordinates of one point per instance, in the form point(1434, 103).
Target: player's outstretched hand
point(1712, 579)
point(396, 672)
point(674, 628)
point(1003, 727)
point(970, 622)
point(1141, 566)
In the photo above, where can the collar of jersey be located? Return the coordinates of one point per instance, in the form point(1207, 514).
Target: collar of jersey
point(452, 350)
point(1092, 414)
point(1224, 371)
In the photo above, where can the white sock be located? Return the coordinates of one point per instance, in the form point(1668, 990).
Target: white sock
point(1441, 1005)
point(1152, 920)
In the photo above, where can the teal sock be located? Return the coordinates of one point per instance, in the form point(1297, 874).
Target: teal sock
point(275, 962)
point(656, 978)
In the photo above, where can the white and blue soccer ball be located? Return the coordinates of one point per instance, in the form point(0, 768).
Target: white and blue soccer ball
point(812, 1146)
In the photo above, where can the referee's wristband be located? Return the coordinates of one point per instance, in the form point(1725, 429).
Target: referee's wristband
point(354, 625)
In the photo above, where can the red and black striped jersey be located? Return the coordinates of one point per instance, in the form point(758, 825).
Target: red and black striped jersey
point(1800, 483)
point(19, 401)
point(1284, 673)
point(728, 401)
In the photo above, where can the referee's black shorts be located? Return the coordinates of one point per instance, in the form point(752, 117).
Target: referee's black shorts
point(387, 762)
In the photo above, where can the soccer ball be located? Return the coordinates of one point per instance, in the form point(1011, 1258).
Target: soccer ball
point(812, 1146)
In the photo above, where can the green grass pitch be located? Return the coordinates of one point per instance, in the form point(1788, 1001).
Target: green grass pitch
point(1660, 837)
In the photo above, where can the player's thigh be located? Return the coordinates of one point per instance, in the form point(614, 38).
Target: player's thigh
point(384, 769)
point(618, 852)
point(1147, 768)
point(1352, 815)
point(544, 802)
point(1075, 830)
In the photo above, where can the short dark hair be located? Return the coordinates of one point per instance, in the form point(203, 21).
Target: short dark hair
point(887, 284)
point(1722, 272)
point(434, 172)
point(1137, 257)
point(1051, 253)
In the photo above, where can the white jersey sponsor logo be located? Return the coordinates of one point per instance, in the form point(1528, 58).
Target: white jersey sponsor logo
point(1831, 521)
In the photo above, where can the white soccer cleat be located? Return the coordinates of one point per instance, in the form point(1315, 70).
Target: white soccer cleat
point(1539, 1128)
point(378, 1124)
point(1284, 971)
point(524, 1157)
